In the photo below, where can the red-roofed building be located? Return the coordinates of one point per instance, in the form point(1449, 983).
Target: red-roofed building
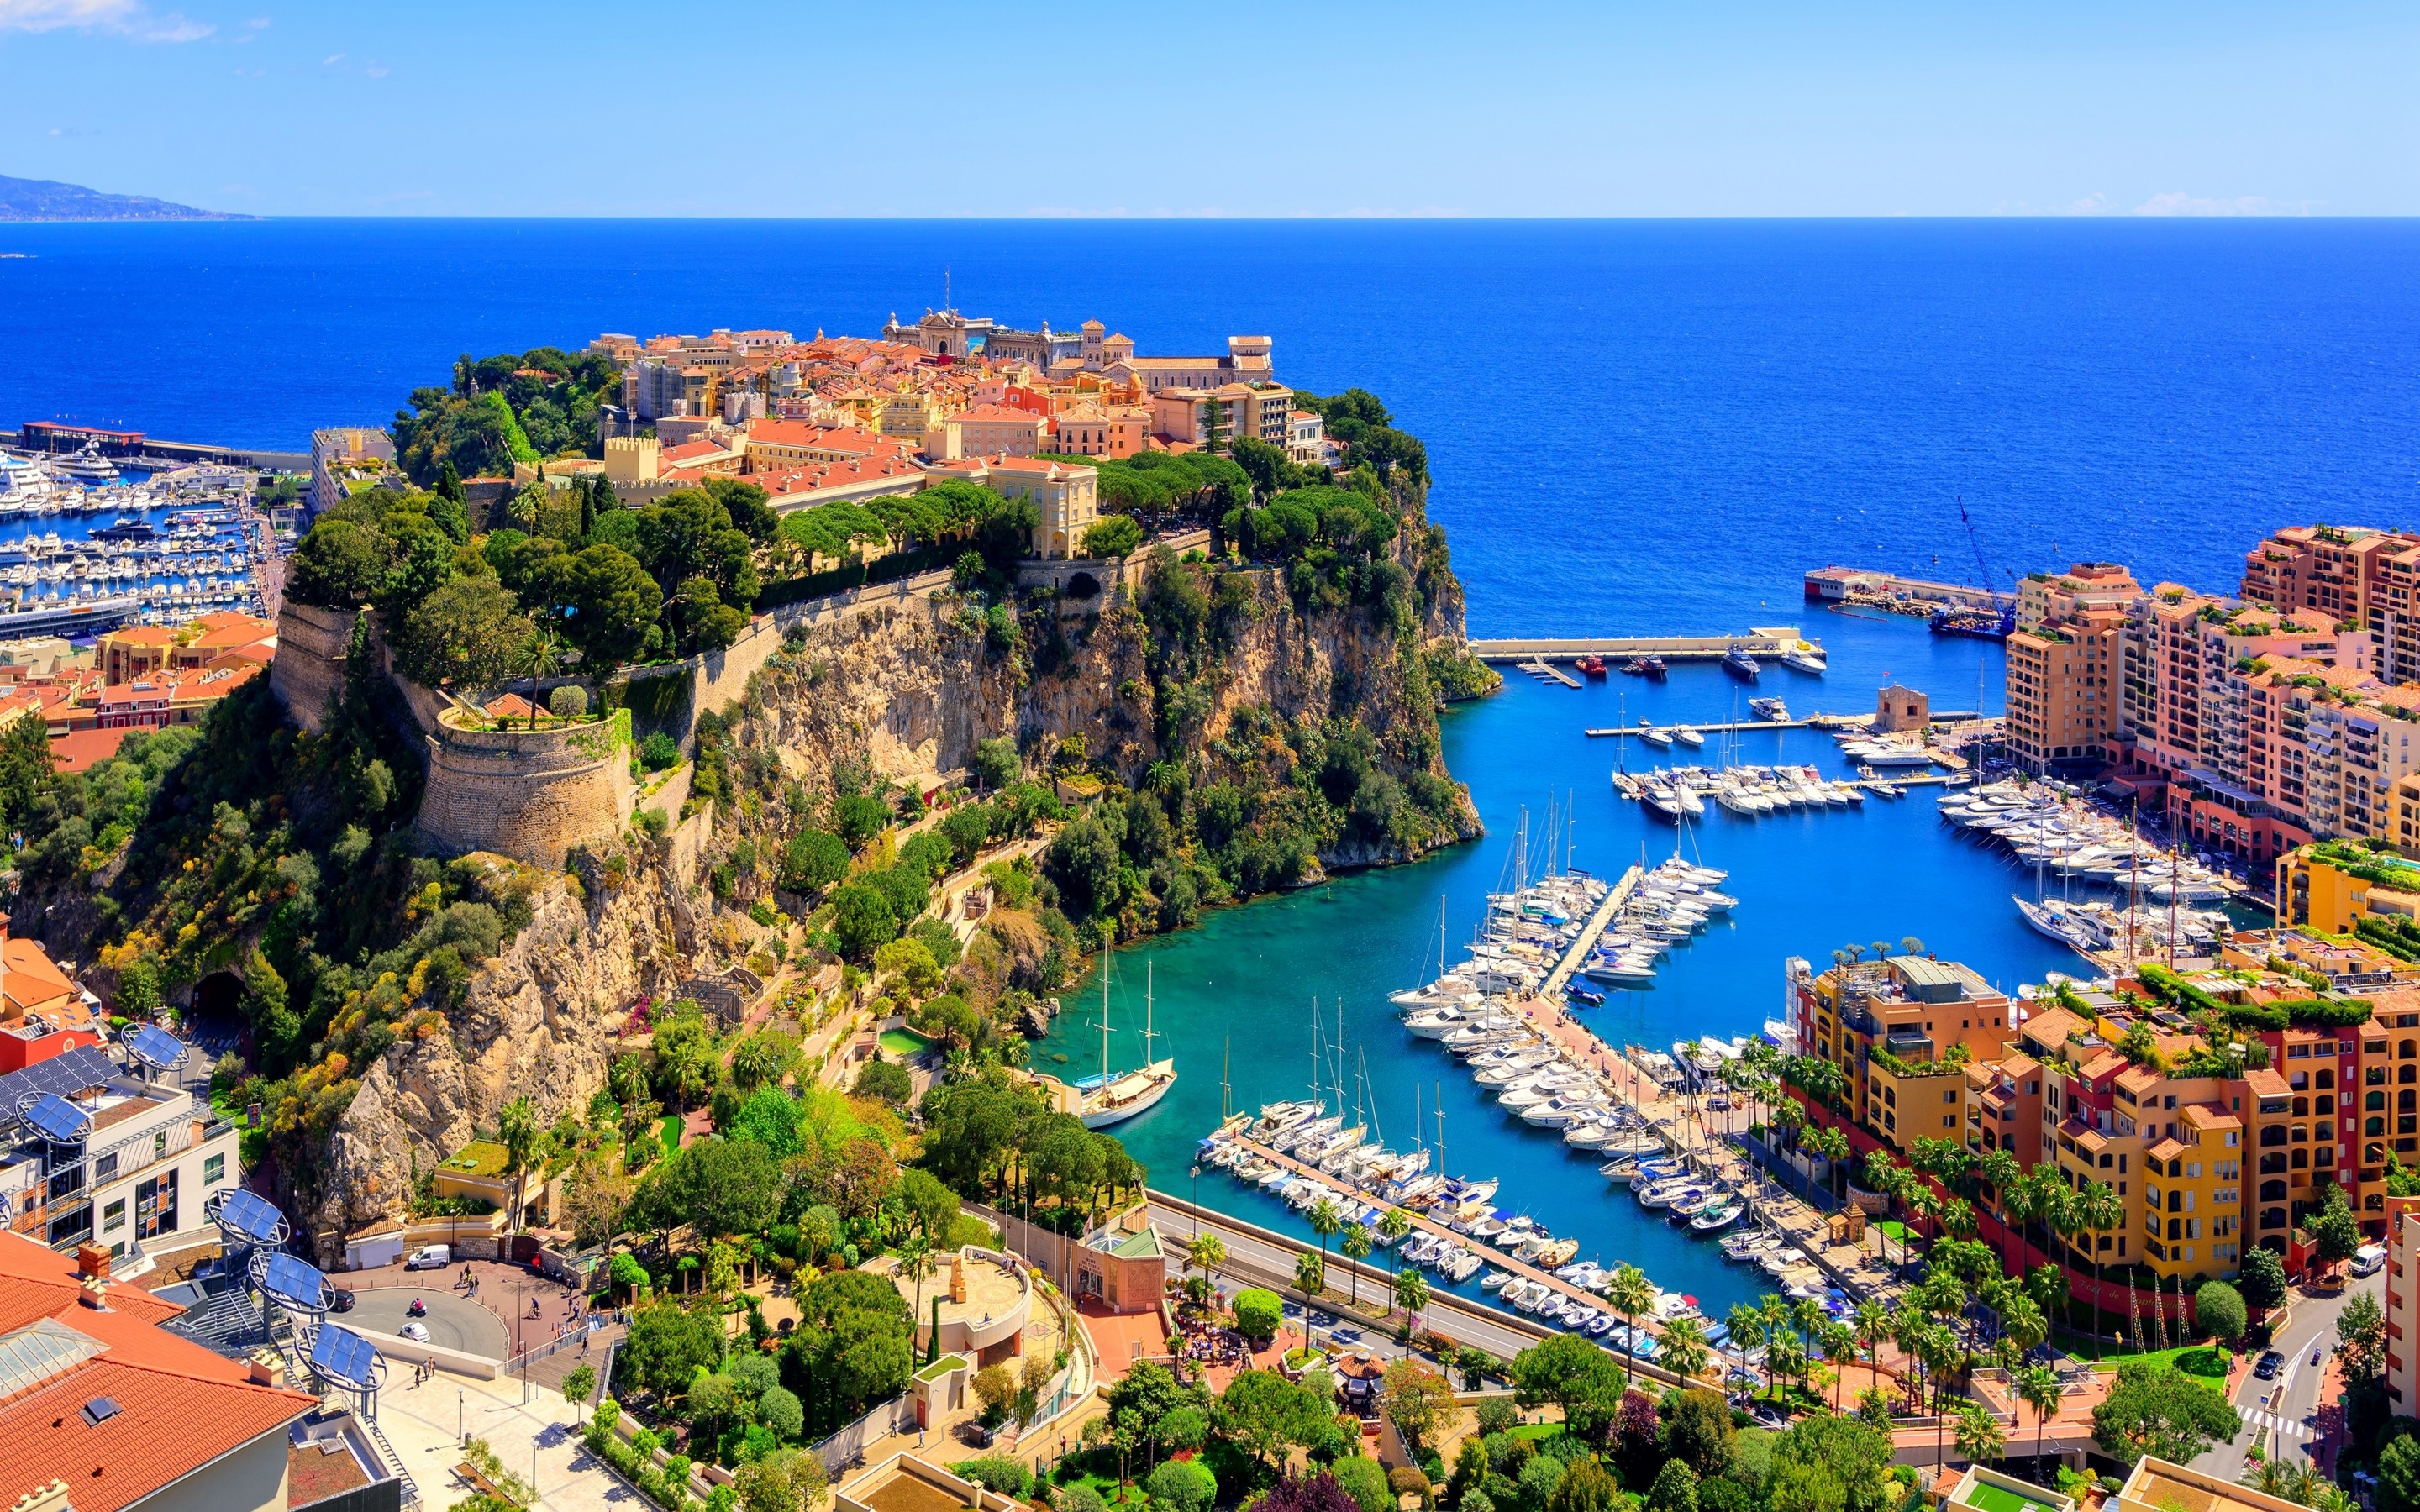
point(692, 460)
point(111, 1410)
point(78, 750)
point(992, 430)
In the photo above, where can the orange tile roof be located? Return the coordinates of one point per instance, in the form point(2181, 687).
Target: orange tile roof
point(2165, 1150)
point(179, 1406)
point(145, 635)
point(79, 751)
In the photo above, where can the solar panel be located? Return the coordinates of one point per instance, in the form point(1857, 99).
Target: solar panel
point(341, 1354)
point(63, 1076)
point(57, 1119)
point(294, 1282)
point(249, 1215)
point(156, 1048)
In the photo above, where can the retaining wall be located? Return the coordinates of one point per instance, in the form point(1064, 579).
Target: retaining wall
point(309, 668)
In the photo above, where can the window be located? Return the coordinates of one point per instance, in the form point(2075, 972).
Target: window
point(214, 1170)
point(104, 1166)
point(113, 1217)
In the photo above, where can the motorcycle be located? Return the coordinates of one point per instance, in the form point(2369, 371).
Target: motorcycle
point(417, 1310)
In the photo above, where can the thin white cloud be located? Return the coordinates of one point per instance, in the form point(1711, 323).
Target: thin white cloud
point(332, 60)
point(2177, 202)
point(123, 17)
point(374, 70)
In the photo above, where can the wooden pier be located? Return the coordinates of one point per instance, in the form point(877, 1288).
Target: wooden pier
point(1760, 640)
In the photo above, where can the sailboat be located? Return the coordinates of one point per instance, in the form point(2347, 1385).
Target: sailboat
point(1108, 1098)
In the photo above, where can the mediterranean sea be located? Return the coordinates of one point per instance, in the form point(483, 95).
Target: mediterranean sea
point(1633, 427)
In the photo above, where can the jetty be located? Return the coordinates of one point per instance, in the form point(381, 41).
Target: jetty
point(1766, 641)
point(1812, 721)
point(1837, 585)
point(1614, 896)
point(1549, 671)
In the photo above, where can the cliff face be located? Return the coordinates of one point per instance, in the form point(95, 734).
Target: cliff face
point(909, 690)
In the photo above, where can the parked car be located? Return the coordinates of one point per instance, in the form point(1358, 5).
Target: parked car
point(428, 1258)
point(417, 1333)
point(344, 1303)
point(2269, 1365)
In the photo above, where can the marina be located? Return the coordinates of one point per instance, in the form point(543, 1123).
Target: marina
point(85, 545)
point(1237, 984)
point(1774, 642)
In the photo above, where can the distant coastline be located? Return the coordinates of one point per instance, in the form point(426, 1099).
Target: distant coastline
point(46, 199)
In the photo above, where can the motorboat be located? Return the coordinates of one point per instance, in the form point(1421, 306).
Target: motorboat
point(1805, 657)
point(1769, 708)
point(1742, 666)
point(1717, 1216)
point(1660, 738)
point(1687, 737)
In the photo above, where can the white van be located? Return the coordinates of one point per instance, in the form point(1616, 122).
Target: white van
point(2366, 1259)
point(429, 1258)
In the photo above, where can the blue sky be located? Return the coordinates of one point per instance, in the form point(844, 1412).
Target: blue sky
point(1400, 108)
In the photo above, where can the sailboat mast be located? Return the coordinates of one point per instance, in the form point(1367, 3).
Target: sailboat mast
point(1441, 1117)
point(1226, 1057)
point(1105, 1019)
point(1147, 972)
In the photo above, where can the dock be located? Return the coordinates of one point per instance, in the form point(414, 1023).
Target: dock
point(1492, 1257)
point(1766, 641)
point(1547, 670)
point(1813, 721)
point(1614, 896)
point(1833, 585)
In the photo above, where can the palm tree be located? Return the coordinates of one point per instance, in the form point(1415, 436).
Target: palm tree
point(916, 1259)
point(517, 1121)
point(1783, 1356)
point(1356, 1249)
point(2097, 1210)
point(1392, 1226)
point(1940, 1362)
point(1324, 1221)
point(1840, 1348)
point(1979, 1435)
point(1832, 1145)
point(1684, 1349)
point(1206, 1253)
point(2037, 1388)
point(1807, 1316)
point(1309, 1277)
point(537, 659)
point(1747, 1326)
point(2011, 1197)
point(1630, 1293)
point(1412, 1294)
point(1872, 1323)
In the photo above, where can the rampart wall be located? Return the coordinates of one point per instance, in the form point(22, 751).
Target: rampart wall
point(309, 669)
point(531, 794)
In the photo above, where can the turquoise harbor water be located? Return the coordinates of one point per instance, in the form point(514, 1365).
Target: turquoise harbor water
point(1238, 990)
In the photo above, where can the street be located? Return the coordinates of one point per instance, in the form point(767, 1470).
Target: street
point(1261, 1263)
point(2283, 1415)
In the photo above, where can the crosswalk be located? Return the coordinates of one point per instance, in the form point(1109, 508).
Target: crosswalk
point(2267, 1423)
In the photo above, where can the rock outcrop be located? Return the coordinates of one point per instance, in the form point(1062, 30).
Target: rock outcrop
point(910, 687)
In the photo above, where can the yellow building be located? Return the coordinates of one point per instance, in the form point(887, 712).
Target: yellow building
point(2332, 887)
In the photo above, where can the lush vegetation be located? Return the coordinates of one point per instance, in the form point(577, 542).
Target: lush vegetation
point(504, 409)
point(577, 579)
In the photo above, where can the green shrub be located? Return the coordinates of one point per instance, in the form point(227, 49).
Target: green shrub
point(1258, 1313)
point(659, 753)
point(1187, 1486)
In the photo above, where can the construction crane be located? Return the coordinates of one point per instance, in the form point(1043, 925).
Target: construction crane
point(1995, 620)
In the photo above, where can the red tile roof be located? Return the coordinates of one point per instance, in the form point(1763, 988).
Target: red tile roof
point(79, 750)
point(181, 1407)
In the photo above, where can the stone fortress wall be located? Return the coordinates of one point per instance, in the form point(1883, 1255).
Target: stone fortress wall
point(309, 669)
point(531, 794)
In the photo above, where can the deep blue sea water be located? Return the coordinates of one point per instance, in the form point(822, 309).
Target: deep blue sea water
point(1634, 427)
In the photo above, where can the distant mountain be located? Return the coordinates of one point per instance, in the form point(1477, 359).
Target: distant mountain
point(41, 199)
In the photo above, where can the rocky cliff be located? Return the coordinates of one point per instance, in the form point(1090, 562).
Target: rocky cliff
point(908, 688)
